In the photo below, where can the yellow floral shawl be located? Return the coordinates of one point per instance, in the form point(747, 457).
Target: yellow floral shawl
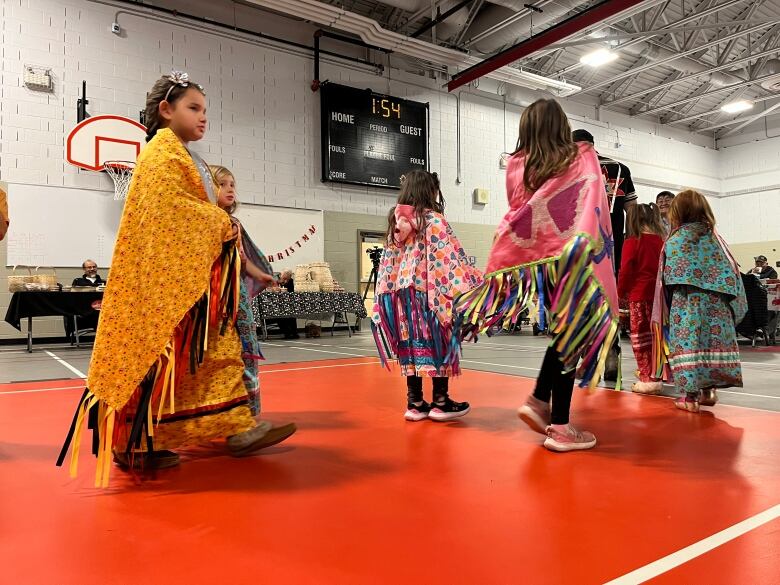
point(169, 238)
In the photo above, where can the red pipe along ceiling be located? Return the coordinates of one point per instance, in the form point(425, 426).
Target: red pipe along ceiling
point(537, 42)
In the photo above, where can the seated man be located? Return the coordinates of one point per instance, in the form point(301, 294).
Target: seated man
point(289, 326)
point(91, 276)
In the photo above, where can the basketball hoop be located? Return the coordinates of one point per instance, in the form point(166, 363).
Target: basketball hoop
point(121, 172)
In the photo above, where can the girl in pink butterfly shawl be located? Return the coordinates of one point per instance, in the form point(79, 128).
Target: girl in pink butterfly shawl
point(555, 242)
point(423, 269)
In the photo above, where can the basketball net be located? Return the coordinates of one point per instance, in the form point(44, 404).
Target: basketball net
point(121, 172)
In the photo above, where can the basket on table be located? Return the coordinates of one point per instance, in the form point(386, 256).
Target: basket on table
point(320, 273)
point(307, 285)
point(302, 273)
point(46, 281)
point(19, 282)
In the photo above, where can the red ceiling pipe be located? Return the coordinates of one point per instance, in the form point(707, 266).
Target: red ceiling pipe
point(549, 36)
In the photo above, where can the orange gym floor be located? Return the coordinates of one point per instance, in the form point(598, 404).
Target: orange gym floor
point(360, 496)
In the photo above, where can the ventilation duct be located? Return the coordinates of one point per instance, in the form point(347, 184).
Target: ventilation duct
point(772, 67)
point(501, 10)
point(372, 33)
point(444, 30)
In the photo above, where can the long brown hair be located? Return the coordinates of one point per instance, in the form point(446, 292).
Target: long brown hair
point(645, 217)
point(421, 190)
point(545, 139)
point(690, 206)
point(164, 89)
point(219, 172)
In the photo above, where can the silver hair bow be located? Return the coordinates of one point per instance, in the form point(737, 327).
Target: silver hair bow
point(180, 79)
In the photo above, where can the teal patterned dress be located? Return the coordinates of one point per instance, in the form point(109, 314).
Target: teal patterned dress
point(707, 302)
point(245, 320)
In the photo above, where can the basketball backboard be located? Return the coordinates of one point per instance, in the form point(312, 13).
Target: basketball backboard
point(104, 138)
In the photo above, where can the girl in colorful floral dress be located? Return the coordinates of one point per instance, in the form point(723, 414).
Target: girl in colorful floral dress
point(423, 269)
point(699, 300)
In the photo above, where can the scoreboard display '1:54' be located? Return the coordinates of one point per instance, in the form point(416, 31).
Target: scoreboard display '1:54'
point(370, 138)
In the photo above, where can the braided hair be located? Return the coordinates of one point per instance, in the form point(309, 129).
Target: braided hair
point(170, 88)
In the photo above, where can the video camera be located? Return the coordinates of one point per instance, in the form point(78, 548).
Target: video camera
point(375, 254)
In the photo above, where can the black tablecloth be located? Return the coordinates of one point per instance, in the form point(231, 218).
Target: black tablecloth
point(45, 304)
point(272, 305)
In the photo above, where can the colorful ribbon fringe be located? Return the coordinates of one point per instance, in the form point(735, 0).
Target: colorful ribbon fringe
point(409, 331)
point(582, 323)
point(136, 419)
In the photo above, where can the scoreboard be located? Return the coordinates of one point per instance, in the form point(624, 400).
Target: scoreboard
point(370, 138)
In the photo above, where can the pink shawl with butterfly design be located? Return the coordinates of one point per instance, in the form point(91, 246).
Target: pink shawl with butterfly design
point(555, 243)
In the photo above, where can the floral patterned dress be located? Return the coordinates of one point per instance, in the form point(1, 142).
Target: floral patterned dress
point(418, 283)
point(707, 301)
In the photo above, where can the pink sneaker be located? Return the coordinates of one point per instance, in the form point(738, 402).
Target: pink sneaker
point(535, 413)
point(563, 438)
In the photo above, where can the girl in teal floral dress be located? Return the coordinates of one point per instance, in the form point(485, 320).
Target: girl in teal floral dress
point(256, 275)
point(699, 301)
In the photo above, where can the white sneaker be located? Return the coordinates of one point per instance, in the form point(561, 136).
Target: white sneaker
point(652, 388)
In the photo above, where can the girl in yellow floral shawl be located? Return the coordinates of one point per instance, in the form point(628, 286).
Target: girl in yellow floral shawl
point(166, 369)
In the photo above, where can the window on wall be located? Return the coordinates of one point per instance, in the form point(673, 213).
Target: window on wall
point(368, 244)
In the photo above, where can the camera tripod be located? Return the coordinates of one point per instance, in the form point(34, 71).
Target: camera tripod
point(372, 280)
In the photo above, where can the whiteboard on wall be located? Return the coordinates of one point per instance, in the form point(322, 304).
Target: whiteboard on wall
point(287, 236)
point(61, 226)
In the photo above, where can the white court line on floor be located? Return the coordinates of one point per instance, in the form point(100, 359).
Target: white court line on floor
point(370, 350)
point(468, 361)
point(499, 366)
point(697, 549)
point(35, 391)
point(539, 348)
point(76, 371)
point(264, 372)
point(737, 393)
point(317, 350)
point(465, 361)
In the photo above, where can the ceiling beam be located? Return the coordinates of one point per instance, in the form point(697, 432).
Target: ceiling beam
point(555, 33)
point(746, 121)
point(643, 68)
point(660, 31)
point(708, 94)
point(723, 57)
point(702, 115)
point(730, 65)
point(682, 21)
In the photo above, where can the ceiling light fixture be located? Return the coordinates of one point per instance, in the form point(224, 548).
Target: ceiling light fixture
point(737, 106)
point(598, 58)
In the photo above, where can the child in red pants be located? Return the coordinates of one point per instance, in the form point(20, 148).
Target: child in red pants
point(636, 284)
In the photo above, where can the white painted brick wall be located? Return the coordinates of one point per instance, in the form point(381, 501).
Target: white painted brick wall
point(264, 120)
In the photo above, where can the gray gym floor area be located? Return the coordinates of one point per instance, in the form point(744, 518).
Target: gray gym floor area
point(517, 354)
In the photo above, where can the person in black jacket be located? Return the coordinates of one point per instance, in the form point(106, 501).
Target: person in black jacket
point(288, 327)
point(622, 197)
point(763, 271)
point(91, 276)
